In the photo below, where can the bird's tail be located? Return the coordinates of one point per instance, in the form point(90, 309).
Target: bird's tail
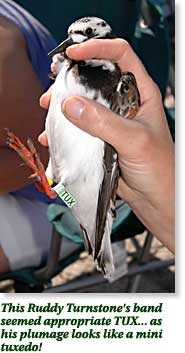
point(104, 260)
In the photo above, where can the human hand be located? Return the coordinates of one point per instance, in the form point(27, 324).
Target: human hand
point(144, 145)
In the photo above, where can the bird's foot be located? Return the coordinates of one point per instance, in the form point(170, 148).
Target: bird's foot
point(31, 158)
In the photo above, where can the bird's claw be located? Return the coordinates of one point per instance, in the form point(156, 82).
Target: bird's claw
point(32, 160)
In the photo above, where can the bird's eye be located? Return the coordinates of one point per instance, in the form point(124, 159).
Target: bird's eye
point(89, 31)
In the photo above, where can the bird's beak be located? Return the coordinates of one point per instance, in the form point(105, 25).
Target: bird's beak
point(61, 47)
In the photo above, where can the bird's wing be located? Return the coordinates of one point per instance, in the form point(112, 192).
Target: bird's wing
point(125, 102)
point(86, 240)
point(106, 201)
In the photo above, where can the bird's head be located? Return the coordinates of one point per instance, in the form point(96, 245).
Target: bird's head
point(83, 30)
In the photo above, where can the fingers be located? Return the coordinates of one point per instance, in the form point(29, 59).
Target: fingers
point(100, 122)
point(45, 98)
point(43, 139)
point(119, 51)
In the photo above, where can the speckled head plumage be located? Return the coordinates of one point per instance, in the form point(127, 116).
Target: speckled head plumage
point(82, 30)
point(89, 27)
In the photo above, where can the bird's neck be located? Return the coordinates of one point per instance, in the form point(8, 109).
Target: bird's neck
point(100, 75)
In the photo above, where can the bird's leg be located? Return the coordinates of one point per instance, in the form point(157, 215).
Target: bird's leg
point(32, 160)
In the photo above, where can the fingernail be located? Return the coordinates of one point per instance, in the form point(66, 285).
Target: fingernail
point(73, 107)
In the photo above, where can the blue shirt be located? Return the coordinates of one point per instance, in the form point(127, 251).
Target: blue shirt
point(38, 39)
point(39, 42)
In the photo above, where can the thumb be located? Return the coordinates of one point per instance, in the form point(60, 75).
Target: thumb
point(101, 122)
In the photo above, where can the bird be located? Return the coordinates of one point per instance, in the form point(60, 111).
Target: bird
point(84, 166)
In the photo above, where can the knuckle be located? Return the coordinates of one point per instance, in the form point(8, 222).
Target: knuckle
point(100, 124)
point(121, 47)
point(156, 92)
point(122, 44)
point(93, 119)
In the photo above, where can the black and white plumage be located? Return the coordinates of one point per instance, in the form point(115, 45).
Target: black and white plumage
point(86, 165)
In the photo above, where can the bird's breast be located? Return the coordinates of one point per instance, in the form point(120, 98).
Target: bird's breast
point(74, 153)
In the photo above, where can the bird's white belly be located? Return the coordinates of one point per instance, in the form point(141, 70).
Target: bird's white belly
point(76, 157)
